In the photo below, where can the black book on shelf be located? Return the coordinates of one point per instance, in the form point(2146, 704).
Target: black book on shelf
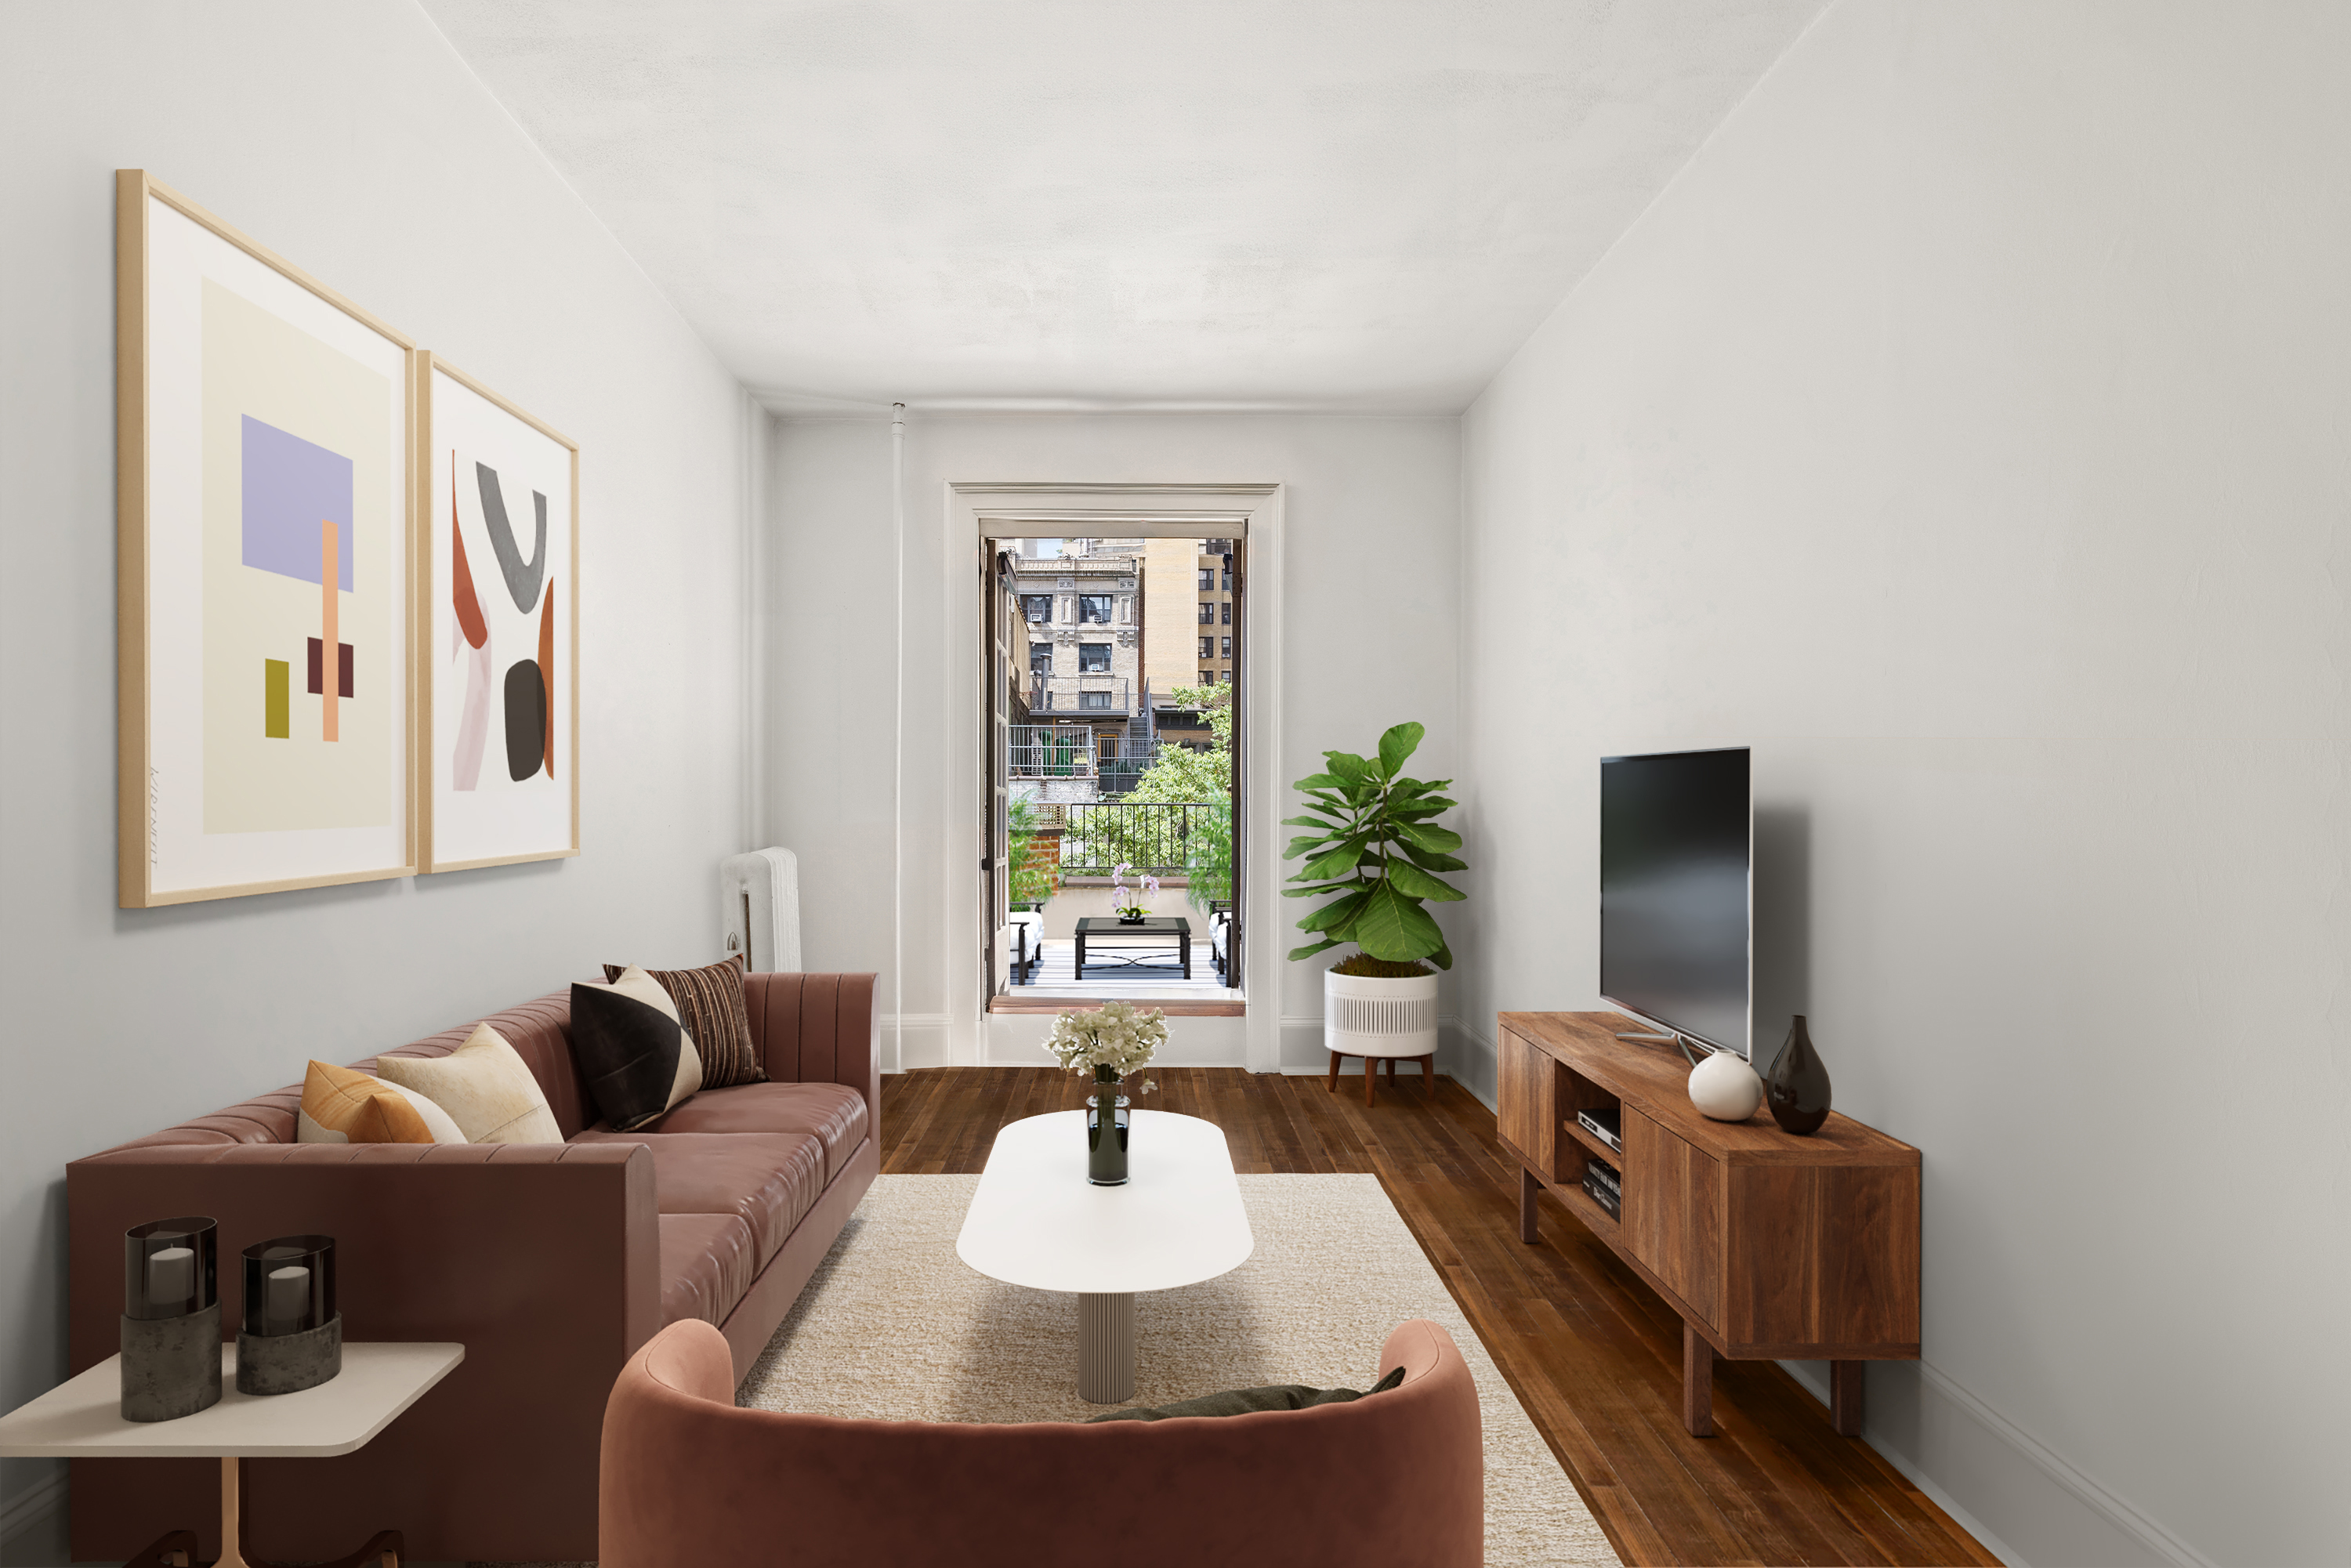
point(1603, 1193)
point(1603, 1122)
point(1604, 1174)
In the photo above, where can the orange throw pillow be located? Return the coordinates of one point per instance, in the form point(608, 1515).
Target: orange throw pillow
point(364, 1110)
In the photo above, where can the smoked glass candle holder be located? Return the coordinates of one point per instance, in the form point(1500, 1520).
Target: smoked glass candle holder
point(171, 1318)
point(293, 1332)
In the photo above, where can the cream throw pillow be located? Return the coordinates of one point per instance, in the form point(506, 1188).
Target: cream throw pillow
point(484, 1085)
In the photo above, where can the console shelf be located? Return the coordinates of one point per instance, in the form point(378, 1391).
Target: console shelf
point(1771, 1247)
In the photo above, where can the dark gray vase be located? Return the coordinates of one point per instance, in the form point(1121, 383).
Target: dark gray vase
point(1106, 1130)
point(1798, 1089)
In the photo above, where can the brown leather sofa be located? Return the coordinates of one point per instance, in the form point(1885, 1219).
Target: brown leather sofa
point(551, 1264)
point(1397, 1479)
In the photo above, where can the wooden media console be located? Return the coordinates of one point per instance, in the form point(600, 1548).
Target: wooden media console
point(1771, 1247)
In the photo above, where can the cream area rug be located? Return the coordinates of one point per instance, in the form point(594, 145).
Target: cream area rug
point(894, 1326)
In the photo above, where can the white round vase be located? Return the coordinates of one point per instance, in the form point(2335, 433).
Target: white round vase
point(1363, 1015)
point(1725, 1088)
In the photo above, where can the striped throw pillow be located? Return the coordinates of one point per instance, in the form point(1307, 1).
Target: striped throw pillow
point(710, 1007)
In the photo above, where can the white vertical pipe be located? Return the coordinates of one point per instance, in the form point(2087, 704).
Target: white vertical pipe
point(898, 744)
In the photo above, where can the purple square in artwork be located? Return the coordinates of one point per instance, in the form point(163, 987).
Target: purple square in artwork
point(291, 487)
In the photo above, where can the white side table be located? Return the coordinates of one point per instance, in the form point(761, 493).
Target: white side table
point(82, 1419)
point(1035, 1220)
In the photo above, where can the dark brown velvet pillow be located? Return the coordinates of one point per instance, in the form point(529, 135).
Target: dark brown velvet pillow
point(710, 1006)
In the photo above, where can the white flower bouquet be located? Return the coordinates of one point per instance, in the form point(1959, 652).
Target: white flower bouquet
point(1110, 1041)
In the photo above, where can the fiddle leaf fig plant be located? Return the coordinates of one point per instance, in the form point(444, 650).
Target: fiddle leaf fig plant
point(1374, 851)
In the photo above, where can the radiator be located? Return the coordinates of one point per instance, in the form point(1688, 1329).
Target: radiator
point(759, 895)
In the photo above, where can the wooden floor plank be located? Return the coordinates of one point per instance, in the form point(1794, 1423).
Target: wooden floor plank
point(1593, 1352)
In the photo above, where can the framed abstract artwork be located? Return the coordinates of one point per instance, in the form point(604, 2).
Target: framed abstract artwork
point(498, 630)
point(264, 567)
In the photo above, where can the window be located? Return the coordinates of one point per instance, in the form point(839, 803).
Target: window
point(1228, 648)
point(1093, 608)
point(1207, 647)
point(1207, 677)
point(1038, 608)
point(1228, 580)
point(1041, 659)
point(1207, 579)
point(1207, 613)
point(1094, 699)
point(1093, 658)
point(1229, 611)
point(1226, 676)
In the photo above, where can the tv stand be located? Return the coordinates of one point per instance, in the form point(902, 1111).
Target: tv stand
point(1769, 1246)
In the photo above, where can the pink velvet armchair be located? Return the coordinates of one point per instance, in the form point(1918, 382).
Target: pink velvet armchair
point(690, 1481)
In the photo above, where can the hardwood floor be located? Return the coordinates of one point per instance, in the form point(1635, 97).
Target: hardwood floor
point(1594, 1355)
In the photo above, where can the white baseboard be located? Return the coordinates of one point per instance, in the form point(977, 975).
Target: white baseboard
point(34, 1507)
point(923, 1042)
point(1471, 1058)
point(1940, 1434)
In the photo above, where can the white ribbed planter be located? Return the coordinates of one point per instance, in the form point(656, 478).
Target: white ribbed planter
point(1366, 1016)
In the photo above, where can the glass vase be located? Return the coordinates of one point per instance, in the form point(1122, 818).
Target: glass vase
point(1107, 1145)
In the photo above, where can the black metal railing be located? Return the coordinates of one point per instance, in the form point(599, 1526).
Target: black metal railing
point(1162, 840)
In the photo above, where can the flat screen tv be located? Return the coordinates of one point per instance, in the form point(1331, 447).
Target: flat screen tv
point(1677, 893)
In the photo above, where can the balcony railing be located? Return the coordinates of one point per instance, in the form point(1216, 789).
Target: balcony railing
point(1050, 751)
point(1161, 839)
point(1076, 751)
point(1108, 696)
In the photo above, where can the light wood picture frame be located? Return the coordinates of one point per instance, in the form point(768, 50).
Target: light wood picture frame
point(264, 455)
point(497, 630)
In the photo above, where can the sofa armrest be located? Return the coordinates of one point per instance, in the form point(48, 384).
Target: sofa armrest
point(543, 1260)
point(818, 1029)
point(549, 1250)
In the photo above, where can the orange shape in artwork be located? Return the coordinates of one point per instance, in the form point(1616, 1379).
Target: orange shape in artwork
point(330, 684)
point(461, 592)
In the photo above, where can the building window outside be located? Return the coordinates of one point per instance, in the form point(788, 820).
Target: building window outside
point(1228, 649)
point(1093, 658)
point(1207, 613)
point(1228, 580)
point(1229, 611)
point(1041, 660)
point(1207, 677)
point(1207, 647)
point(1225, 678)
point(1038, 608)
point(1093, 699)
point(1093, 608)
point(1207, 579)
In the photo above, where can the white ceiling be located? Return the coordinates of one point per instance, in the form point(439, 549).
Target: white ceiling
point(1082, 203)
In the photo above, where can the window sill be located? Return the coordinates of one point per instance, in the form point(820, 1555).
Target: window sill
point(1173, 1007)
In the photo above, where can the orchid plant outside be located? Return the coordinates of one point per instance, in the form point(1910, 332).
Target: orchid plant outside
point(1110, 1041)
point(1128, 901)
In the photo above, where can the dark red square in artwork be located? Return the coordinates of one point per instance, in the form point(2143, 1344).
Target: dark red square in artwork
point(342, 668)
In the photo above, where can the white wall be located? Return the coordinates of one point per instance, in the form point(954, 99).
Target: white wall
point(1369, 627)
point(1965, 429)
point(352, 140)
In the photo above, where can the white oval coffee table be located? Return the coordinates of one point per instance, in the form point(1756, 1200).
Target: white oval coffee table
point(1035, 1220)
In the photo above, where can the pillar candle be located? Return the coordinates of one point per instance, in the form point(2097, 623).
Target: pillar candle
point(289, 1294)
point(171, 1275)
